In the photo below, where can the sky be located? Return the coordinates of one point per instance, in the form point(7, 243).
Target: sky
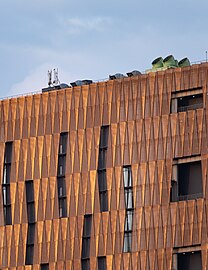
point(93, 39)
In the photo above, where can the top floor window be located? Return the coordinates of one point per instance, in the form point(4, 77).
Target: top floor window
point(187, 100)
point(7, 162)
point(190, 103)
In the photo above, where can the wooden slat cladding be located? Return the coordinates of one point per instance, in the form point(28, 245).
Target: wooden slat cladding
point(143, 133)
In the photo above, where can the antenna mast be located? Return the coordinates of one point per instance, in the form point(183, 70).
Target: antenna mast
point(55, 81)
point(49, 78)
point(55, 77)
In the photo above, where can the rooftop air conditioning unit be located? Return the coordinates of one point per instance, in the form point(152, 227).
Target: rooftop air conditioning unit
point(133, 73)
point(81, 82)
point(184, 62)
point(116, 76)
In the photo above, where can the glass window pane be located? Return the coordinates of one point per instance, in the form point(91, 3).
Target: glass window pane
point(6, 195)
point(61, 187)
point(102, 263)
point(129, 200)
point(192, 102)
point(104, 136)
point(31, 212)
point(127, 176)
point(29, 191)
point(85, 247)
point(86, 264)
point(190, 180)
point(8, 152)
point(129, 220)
point(102, 159)
point(31, 234)
point(87, 225)
point(61, 165)
point(127, 242)
point(7, 215)
point(44, 266)
point(29, 254)
point(7, 171)
point(62, 207)
point(63, 143)
point(103, 201)
point(102, 180)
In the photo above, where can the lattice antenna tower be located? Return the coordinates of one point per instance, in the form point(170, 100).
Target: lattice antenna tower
point(49, 78)
point(55, 77)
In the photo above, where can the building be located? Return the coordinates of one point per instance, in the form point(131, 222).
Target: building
point(109, 175)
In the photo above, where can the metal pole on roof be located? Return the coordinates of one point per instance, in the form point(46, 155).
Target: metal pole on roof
point(206, 56)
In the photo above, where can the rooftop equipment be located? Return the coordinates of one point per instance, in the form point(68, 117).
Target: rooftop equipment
point(170, 62)
point(116, 76)
point(157, 63)
point(184, 62)
point(55, 87)
point(81, 82)
point(133, 73)
point(160, 64)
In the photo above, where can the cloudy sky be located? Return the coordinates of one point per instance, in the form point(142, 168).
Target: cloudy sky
point(92, 39)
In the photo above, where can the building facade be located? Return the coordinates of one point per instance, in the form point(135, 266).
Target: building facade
point(111, 175)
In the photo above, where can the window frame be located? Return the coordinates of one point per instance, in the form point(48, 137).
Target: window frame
point(175, 182)
point(175, 96)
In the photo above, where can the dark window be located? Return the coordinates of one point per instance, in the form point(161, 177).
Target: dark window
point(31, 233)
point(30, 244)
point(7, 215)
point(61, 184)
point(61, 165)
point(6, 184)
point(63, 143)
point(103, 201)
point(62, 207)
point(190, 179)
point(85, 264)
point(86, 236)
point(192, 102)
point(44, 266)
point(61, 187)
point(31, 212)
point(104, 136)
point(8, 153)
point(102, 181)
point(7, 162)
point(102, 263)
point(30, 201)
point(29, 191)
point(103, 193)
point(188, 185)
point(29, 254)
point(102, 159)
point(189, 260)
point(86, 247)
point(174, 191)
point(87, 225)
